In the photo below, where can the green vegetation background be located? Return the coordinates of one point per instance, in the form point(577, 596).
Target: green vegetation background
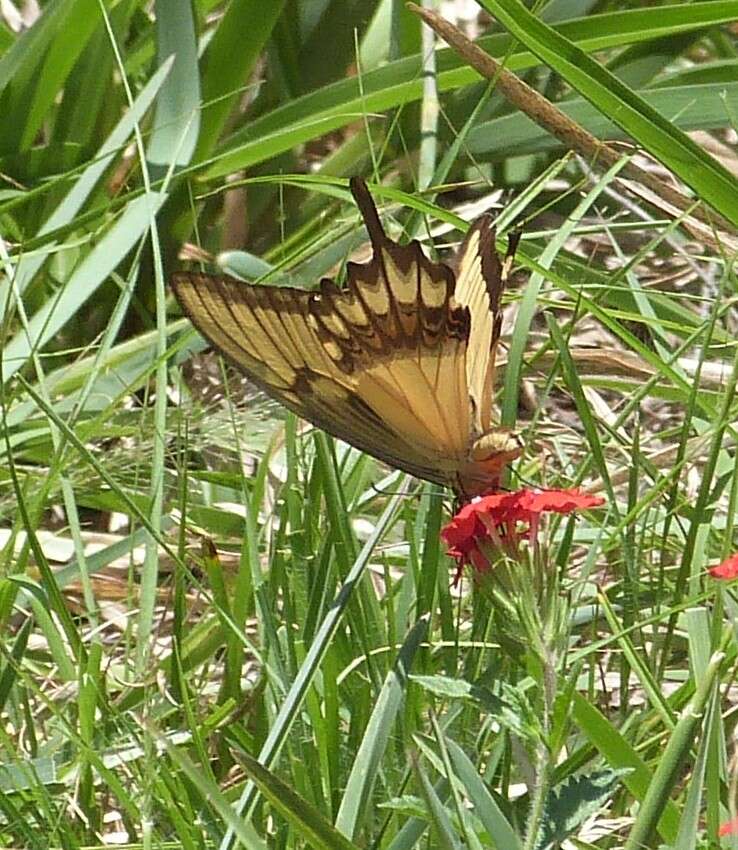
point(143, 671)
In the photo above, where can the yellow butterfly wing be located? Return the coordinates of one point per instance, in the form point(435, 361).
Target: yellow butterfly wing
point(379, 364)
point(383, 363)
point(480, 280)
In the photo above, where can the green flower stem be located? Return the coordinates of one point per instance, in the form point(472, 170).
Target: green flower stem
point(543, 754)
point(540, 792)
point(548, 648)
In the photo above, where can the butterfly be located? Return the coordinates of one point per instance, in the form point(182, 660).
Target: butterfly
point(399, 363)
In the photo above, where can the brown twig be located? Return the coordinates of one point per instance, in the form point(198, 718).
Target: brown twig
point(571, 134)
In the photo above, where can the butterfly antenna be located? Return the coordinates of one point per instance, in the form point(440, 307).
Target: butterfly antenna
point(380, 492)
point(368, 210)
point(521, 479)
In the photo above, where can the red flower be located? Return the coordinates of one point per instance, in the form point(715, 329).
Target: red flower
point(727, 570)
point(491, 520)
point(729, 827)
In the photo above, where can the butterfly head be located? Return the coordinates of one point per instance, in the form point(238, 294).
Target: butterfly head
point(488, 457)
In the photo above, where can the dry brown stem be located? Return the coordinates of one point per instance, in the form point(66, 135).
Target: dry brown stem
point(599, 154)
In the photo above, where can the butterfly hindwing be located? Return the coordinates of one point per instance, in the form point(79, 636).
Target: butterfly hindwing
point(399, 362)
point(379, 363)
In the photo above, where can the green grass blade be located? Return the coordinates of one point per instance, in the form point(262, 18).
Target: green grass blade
point(228, 60)
point(398, 83)
point(211, 793)
point(308, 822)
point(177, 116)
point(83, 17)
point(620, 754)
point(529, 302)
point(497, 825)
point(363, 775)
point(80, 192)
point(439, 816)
point(689, 107)
point(583, 407)
point(669, 766)
point(692, 812)
point(21, 60)
point(84, 282)
point(10, 670)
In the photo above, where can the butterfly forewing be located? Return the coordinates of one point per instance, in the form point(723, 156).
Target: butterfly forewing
point(397, 363)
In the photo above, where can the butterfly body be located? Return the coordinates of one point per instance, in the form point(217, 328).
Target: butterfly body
point(399, 362)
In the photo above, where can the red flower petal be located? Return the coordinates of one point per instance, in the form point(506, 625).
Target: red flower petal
point(501, 507)
point(729, 827)
point(727, 570)
point(462, 526)
point(557, 501)
point(470, 526)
